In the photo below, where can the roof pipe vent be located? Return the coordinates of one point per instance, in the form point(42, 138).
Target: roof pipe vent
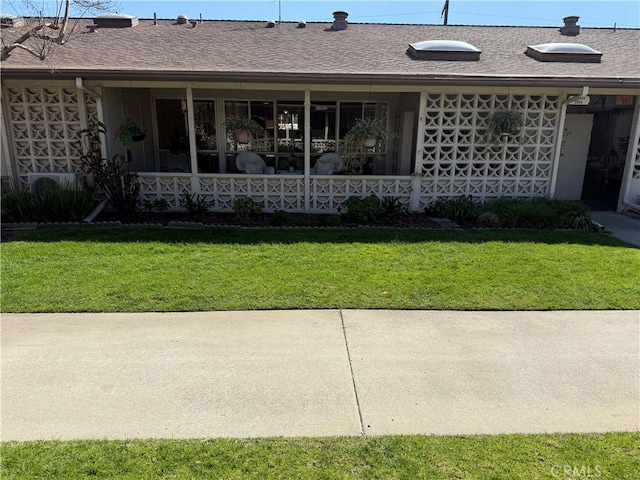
point(194, 23)
point(92, 28)
point(339, 20)
point(182, 20)
point(302, 24)
point(571, 27)
point(271, 23)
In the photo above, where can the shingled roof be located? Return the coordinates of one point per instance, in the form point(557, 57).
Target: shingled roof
point(363, 53)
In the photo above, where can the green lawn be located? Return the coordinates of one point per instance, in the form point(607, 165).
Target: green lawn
point(509, 457)
point(147, 269)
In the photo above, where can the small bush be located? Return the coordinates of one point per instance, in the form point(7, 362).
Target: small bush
point(247, 208)
point(158, 205)
point(280, 217)
point(391, 207)
point(459, 209)
point(489, 219)
point(363, 210)
point(535, 212)
point(333, 220)
point(22, 206)
point(62, 204)
point(195, 203)
point(583, 221)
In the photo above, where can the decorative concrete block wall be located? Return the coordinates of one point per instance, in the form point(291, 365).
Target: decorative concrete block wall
point(457, 160)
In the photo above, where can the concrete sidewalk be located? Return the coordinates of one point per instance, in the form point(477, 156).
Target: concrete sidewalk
point(317, 373)
point(621, 226)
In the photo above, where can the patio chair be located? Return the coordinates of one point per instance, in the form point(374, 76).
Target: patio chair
point(327, 164)
point(252, 163)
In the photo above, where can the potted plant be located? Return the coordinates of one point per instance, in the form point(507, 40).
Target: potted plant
point(243, 128)
point(503, 123)
point(129, 131)
point(366, 135)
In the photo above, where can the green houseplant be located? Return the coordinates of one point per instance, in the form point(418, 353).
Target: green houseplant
point(365, 136)
point(243, 128)
point(129, 131)
point(503, 123)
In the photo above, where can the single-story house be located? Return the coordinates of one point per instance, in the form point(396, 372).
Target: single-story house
point(435, 87)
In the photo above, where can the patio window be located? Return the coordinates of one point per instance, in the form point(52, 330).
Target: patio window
point(204, 114)
point(173, 142)
point(262, 112)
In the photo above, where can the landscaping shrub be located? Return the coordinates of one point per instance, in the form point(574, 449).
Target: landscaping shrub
point(537, 212)
point(195, 203)
point(280, 217)
point(113, 177)
point(488, 219)
point(363, 210)
point(459, 209)
point(158, 205)
point(63, 204)
point(333, 220)
point(21, 206)
point(247, 208)
point(67, 204)
point(391, 207)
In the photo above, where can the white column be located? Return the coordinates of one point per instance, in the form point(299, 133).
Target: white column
point(558, 147)
point(100, 112)
point(416, 184)
point(7, 157)
point(193, 149)
point(632, 152)
point(307, 149)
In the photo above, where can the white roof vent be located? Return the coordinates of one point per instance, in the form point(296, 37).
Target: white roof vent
point(302, 24)
point(182, 20)
point(271, 24)
point(564, 52)
point(453, 50)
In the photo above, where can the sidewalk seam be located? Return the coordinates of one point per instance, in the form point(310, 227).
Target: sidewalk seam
point(353, 378)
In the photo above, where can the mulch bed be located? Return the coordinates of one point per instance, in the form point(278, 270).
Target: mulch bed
point(265, 220)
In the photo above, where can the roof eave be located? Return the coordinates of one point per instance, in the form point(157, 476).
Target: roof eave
point(421, 80)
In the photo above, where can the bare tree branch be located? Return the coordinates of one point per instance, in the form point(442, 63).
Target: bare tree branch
point(56, 30)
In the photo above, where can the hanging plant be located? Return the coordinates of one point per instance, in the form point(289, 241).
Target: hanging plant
point(243, 128)
point(366, 135)
point(503, 123)
point(129, 131)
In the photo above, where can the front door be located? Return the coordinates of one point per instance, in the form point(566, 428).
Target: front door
point(573, 156)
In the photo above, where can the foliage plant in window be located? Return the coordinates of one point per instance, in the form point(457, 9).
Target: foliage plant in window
point(128, 131)
point(366, 136)
point(503, 123)
point(243, 128)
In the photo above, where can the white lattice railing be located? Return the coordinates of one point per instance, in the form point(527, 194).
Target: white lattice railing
point(274, 192)
point(167, 186)
point(329, 193)
point(457, 160)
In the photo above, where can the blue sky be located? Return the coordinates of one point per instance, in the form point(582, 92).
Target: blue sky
point(541, 12)
point(625, 13)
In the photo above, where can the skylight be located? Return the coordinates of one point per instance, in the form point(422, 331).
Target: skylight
point(564, 52)
point(115, 20)
point(443, 50)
